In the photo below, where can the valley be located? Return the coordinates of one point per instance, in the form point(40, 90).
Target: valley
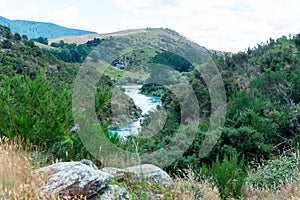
point(230, 119)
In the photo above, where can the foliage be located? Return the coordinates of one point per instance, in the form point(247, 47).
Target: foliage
point(172, 60)
point(72, 52)
point(41, 40)
point(262, 88)
point(228, 175)
point(152, 89)
point(35, 99)
point(274, 174)
point(139, 188)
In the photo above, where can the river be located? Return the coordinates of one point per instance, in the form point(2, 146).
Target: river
point(145, 103)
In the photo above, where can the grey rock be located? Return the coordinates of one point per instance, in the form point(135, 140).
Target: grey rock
point(149, 172)
point(73, 179)
point(113, 171)
point(89, 163)
point(85, 179)
point(152, 173)
point(113, 192)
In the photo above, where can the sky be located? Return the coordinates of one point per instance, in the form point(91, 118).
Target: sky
point(225, 25)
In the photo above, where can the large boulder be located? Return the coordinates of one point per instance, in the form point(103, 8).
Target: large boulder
point(78, 179)
point(83, 178)
point(151, 173)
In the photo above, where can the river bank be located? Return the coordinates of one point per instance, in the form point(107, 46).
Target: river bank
point(144, 103)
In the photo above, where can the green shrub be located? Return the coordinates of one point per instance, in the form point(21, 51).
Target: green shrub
point(275, 173)
point(228, 175)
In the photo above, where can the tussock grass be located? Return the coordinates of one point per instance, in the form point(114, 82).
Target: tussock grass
point(190, 188)
point(288, 192)
point(17, 180)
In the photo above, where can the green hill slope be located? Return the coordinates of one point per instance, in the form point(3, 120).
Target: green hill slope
point(156, 38)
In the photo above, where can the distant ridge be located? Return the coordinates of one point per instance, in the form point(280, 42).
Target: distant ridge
point(41, 29)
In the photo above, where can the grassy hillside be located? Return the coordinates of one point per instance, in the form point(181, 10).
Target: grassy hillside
point(40, 29)
point(85, 38)
point(138, 47)
point(157, 38)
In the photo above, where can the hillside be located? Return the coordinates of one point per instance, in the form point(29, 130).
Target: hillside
point(158, 38)
point(153, 41)
point(40, 29)
point(257, 152)
point(85, 38)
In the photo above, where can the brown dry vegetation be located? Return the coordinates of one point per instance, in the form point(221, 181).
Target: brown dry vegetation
point(17, 180)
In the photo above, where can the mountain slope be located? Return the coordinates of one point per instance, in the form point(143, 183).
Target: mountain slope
point(36, 29)
point(158, 39)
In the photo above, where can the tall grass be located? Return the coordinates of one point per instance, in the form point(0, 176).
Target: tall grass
point(16, 178)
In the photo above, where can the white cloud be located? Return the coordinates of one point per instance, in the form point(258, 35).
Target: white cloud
point(17, 13)
point(66, 15)
point(144, 7)
point(230, 25)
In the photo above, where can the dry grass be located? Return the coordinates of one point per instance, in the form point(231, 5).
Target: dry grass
point(189, 188)
point(16, 180)
point(291, 191)
point(16, 176)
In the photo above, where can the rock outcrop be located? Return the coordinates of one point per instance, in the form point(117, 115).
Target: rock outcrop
point(78, 179)
point(150, 173)
point(84, 179)
point(147, 173)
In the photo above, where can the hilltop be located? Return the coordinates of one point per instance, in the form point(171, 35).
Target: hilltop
point(148, 35)
point(40, 29)
point(156, 39)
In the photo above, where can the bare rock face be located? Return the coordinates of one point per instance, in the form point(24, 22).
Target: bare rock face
point(78, 179)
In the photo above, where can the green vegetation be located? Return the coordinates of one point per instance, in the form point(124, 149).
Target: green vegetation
point(71, 52)
point(172, 60)
point(35, 98)
point(41, 40)
point(229, 175)
point(276, 173)
point(263, 103)
point(138, 189)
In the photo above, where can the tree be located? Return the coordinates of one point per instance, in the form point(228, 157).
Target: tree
point(41, 40)
point(24, 37)
point(6, 44)
point(17, 36)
